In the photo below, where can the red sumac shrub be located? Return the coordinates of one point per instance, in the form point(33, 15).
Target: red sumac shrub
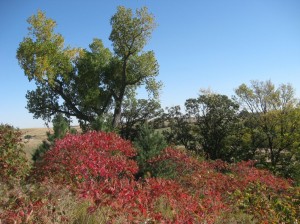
point(246, 173)
point(93, 156)
point(219, 186)
point(101, 169)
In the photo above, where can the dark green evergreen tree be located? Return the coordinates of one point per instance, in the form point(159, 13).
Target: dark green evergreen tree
point(149, 144)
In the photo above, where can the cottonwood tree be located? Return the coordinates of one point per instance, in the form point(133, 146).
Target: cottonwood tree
point(87, 83)
point(274, 116)
point(131, 66)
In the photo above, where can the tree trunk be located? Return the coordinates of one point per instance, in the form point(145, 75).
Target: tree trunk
point(117, 114)
point(118, 109)
point(119, 98)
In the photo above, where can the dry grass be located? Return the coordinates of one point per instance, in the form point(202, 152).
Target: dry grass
point(37, 136)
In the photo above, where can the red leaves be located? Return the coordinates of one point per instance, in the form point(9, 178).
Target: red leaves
point(101, 169)
point(214, 182)
point(91, 156)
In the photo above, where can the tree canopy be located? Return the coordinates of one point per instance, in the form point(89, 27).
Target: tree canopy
point(273, 120)
point(216, 120)
point(86, 83)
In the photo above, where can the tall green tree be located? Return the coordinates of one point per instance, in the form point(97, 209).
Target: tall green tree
point(131, 66)
point(216, 120)
point(273, 115)
point(86, 83)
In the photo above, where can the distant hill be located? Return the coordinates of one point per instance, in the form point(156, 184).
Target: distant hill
point(33, 137)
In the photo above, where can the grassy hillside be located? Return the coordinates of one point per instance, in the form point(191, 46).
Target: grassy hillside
point(33, 137)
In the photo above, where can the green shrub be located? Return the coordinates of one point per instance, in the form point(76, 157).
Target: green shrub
point(41, 150)
point(28, 136)
point(166, 169)
point(61, 127)
point(149, 144)
point(13, 162)
point(102, 124)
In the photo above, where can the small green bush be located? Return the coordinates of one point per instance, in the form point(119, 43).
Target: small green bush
point(28, 136)
point(41, 150)
point(13, 162)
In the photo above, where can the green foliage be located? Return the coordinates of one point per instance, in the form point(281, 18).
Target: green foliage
point(266, 129)
point(42, 54)
point(210, 127)
point(13, 162)
point(60, 127)
point(166, 169)
point(41, 150)
point(103, 124)
point(130, 33)
point(94, 98)
point(149, 144)
point(180, 129)
point(216, 121)
point(273, 124)
point(27, 137)
point(290, 168)
point(131, 67)
point(87, 84)
point(256, 198)
point(135, 113)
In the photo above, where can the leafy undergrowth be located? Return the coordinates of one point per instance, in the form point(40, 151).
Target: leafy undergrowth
point(90, 178)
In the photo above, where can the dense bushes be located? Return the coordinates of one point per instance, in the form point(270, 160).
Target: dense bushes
point(90, 178)
point(260, 123)
point(100, 168)
point(238, 189)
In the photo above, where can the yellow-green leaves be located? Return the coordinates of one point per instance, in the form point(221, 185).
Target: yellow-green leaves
point(273, 123)
point(130, 32)
point(41, 28)
point(41, 54)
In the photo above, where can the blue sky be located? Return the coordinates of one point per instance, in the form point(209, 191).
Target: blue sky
point(217, 44)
